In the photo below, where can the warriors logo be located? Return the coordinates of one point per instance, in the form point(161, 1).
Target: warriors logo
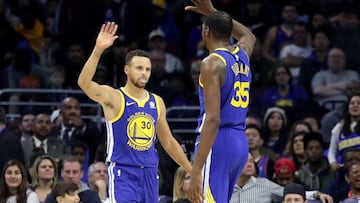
point(140, 131)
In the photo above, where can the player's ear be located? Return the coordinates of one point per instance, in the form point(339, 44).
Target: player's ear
point(59, 199)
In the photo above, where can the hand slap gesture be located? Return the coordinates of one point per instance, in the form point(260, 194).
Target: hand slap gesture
point(106, 36)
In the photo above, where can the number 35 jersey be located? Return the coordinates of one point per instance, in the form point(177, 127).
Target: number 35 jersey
point(131, 134)
point(235, 91)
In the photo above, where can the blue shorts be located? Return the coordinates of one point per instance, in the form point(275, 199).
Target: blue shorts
point(224, 164)
point(132, 184)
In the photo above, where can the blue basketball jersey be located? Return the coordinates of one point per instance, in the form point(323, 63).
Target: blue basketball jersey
point(347, 141)
point(131, 134)
point(234, 92)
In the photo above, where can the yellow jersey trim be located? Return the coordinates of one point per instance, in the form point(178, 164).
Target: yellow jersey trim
point(140, 103)
point(157, 101)
point(122, 108)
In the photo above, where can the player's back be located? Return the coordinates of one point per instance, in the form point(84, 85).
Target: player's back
point(234, 91)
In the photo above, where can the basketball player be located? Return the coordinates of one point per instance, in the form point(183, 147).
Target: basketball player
point(134, 117)
point(221, 150)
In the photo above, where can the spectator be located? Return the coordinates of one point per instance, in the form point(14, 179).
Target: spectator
point(316, 61)
point(42, 143)
point(284, 171)
point(280, 35)
point(294, 193)
point(65, 192)
point(339, 188)
point(74, 128)
point(10, 146)
point(72, 172)
point(293, 55)
point(283, 93)
point(98, 179)
point(275, 135)
point(330, 86)
point(346, 133)
point(313, 121)
point(157, 41)
point(181, 184)
point(331, 118)
point(26, 125)
point(264, 164)
point(316, 173)
point(261, 190)
point(14, 184)
point(44, 176)
point(353, 175)
point(295, 145)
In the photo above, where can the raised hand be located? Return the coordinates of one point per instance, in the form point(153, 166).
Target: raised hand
point(106, 36)
point(201, 6)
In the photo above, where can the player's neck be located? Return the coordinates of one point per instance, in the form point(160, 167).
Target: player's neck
point(219, 44)
point(138, 93)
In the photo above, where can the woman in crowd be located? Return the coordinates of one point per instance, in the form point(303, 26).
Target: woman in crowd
point(44, 176)
point(14, 186)
point(346, 133)
point(275, 133)
point(295, 145)
point(181, 184)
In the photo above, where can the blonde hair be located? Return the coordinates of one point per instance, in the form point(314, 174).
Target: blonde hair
point(179, 177)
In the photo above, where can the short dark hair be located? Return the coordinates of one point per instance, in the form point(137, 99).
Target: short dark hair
point(220, 24)
point(136, 52)
point(62, 188)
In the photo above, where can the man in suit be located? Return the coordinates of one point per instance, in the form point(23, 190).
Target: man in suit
point(73, 128)
point(10, 147)
point(42, 143)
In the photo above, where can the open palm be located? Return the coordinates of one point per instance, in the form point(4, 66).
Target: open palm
point(106, 35)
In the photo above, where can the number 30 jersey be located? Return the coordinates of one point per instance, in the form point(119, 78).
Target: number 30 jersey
point(131, 134)
point(235, 91)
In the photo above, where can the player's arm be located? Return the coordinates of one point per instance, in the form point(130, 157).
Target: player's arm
point(211, 68)
point(99, 93)
point(246, 39)
point(268, 44)
point(168, 142)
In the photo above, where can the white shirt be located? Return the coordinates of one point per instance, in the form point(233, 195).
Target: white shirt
point(31, 197)
point(38, 143)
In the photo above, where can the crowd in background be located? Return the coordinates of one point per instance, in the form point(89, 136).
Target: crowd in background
point(303, 122)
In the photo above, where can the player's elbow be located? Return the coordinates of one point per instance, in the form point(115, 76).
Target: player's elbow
point(83, 83)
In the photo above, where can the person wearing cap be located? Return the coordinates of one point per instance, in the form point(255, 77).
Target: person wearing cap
point(157, 42)
point(251, 189)
point(274, 125)
point(316, 173)
point(294, 193)
point(284, 171)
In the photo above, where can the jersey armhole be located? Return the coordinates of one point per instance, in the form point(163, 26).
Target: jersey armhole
point(122, 107)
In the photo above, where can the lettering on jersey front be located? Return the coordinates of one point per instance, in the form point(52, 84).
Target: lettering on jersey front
point(242, 69)
point(350, 142)
point(140, 131)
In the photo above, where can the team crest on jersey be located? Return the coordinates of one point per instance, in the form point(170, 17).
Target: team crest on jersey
point(152, 105)
point(140, 131)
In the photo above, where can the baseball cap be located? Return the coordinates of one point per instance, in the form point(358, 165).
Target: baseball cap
point(284, 166)
point(294, 188)
point(156, 33)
